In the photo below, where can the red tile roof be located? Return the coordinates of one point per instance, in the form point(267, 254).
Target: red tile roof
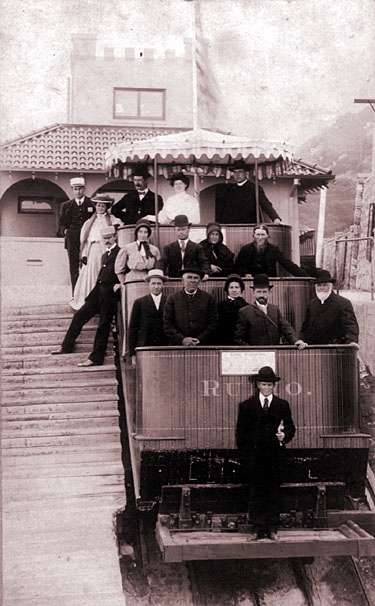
point(67, 147)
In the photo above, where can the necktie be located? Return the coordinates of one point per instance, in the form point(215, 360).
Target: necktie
point(265, 405)
point(183, 246)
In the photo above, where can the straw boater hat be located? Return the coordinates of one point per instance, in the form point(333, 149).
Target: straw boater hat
point(323, 276)
point(104, 198)
point(267, 375)
point(108, 231)
point(77, 181)
point(261, 281)
point(156, 273)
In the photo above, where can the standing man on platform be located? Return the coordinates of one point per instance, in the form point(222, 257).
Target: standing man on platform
point(73, 215)
point(101, 300)
point(236, 202)
point(137, 204)
point(264, 426)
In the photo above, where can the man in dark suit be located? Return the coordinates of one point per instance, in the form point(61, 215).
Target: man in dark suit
point(73, 215)
point(262, 323)
point(236, 202)
point(137, 204)
point(329, 318)
point(146, 319)
point(264, 426)
point(261, 257)
point(190, 315)
point(183, 252)
point(101, 300)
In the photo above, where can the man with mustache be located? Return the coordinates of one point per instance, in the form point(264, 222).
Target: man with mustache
point(262, 323)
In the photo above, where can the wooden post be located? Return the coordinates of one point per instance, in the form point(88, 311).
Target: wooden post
point(156, 201)
point(321, 225)
point(257, 192)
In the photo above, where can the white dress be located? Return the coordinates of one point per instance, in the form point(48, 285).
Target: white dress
point(93, 249)
point(179, 204)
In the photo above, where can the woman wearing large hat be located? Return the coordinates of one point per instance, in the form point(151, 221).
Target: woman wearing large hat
point(180, 202)
point(137, 258)
point(92, 248)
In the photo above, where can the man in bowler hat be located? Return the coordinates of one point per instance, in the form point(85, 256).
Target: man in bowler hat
point(101, 300)
point(329, 317)
point(262, 323)
point(264, 426)
point(73, 215)
point(183, 252)
point(236, 202)
point(140, 202)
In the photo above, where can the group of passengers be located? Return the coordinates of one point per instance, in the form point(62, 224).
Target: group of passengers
point(191, 316)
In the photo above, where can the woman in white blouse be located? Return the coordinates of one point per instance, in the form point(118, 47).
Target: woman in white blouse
point(92, 248)
point(180, 203)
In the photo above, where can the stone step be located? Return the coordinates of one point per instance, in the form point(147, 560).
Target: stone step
point(21, 350)
point(43, 360)
point(58, 427)
point(20, 414)
point(101, 391)
point(64, 375)
point(103, 405)
point(52, 311)
point(42, 324)
point(64, 469)
point(92, 439)
point(52, 338)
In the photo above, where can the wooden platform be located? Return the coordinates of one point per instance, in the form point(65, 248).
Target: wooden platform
point(348, 539)
point(62, 473)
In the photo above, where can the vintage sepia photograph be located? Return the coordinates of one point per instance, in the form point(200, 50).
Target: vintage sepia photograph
point(187, 218)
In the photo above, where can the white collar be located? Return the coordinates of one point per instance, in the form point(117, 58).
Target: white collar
point(262, 398)
point(242, 183)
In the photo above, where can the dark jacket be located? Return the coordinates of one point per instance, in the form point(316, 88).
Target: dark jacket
point(146, 324)
point(228, 316)
point(256, 430)
point(131, 208)
point(171, 259)
point(66, 215)
point(254, 327)
point(220, 255)
point(250, 261)
point(334, 321)
point(185, 317)
point(237, 204)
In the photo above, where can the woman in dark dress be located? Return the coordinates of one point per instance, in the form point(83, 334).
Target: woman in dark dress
point(229, 308)
point(219, 255)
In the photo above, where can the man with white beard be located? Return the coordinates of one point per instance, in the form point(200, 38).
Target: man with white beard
point(329, 318)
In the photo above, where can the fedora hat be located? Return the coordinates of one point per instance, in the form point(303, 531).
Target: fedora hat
point(104, 198)
point(261, 281)
point(156, 273)
point(266, 374)
point(181, 221)
point(191, 270)
point(323, 276)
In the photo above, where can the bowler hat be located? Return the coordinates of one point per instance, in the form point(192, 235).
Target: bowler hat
point(141, 171)
point(156, 273)
point(104, 198)
point(267, 375)
point(193, 269)
point(181, 221)
point(261, 281)
point(323, 275)
point(238, 165)
point(234, 278)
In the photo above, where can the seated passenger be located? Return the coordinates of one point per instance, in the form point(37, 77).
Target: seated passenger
point(228, 310)
point(190, 315)
point(146, 319)
point(183, 252)
point(137, 204)
point(262, 323)
point(260, 257)
point(180, 202)
point(219, 255)
point(236, 202)
point(329, 318)
point(137, 258)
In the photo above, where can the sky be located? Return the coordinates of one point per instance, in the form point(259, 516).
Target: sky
point(285, 69)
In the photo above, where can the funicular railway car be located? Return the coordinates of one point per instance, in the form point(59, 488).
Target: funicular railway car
point(181, 408)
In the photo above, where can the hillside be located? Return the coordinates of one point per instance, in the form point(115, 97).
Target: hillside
point(346, 149)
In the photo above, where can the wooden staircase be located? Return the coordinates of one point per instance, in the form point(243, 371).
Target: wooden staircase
point(62, 472)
